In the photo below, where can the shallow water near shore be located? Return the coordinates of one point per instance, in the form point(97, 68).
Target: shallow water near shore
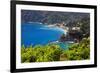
point(40, 34)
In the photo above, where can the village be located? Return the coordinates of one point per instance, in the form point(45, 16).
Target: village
point(71, 33)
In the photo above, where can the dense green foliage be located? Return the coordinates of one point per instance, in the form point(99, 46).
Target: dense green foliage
point(51, 17)
point(51, 52)
point(41, 53)
point(79, 51)
point(85, 27)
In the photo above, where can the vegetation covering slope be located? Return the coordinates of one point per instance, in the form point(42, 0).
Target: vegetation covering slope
point(51, 17)
point(51, 52)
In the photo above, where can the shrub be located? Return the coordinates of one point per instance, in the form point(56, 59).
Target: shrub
point(52, 52)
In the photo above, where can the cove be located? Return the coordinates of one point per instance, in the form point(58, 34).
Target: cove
point(35, 33)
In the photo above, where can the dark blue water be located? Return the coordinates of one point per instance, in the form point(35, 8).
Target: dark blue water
point(39, 34)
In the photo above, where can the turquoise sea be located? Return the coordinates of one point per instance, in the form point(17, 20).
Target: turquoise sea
point(35, 33)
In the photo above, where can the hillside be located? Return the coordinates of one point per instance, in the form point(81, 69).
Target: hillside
point(51, 17)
